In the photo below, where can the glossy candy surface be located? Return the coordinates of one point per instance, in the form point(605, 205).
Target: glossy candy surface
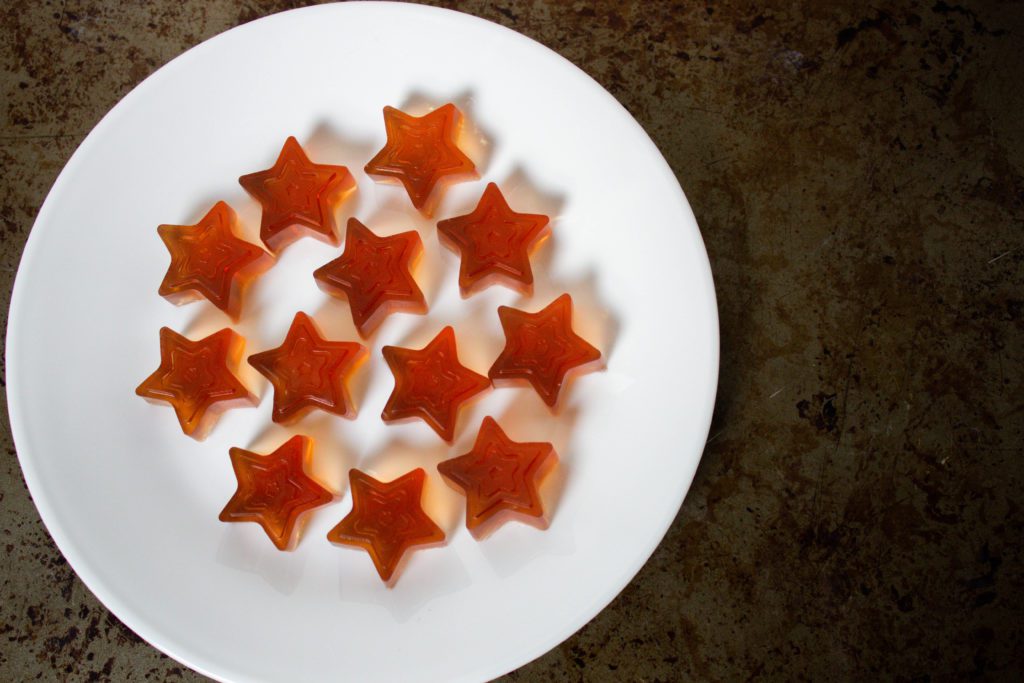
point(208, 260)
point(421, 151)
point(431, 384)
point(196, 378)
point(274, 490)
point(308, 372)
point(541, 347)
point(499, 478)
point(298, 197)
point(375, 275)
point(386, 519)
point(494, 241)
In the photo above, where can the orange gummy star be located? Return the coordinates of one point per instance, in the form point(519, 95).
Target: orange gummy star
point(386, 519)
point(274, 490)
point(500, 478)
point(495, 242)
point(308, 372)
point(431, 384)
point(374, 274)
point(209, 260)
point(541, 347)
point(420, 151)
point(196, 378)
point(298, 197)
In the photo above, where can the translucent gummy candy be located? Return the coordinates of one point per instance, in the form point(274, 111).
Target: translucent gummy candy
point(298, 197)
point(500, 478)
point(274, 490)
point(541, 347)
point(196, 378)
point(375, 275)
point(386, 519)
point(308, 372)
point(209, 261)
point(421, 151)
point(431, 384)
point(494, 241)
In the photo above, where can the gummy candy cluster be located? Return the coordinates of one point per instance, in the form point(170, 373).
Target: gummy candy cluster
point(375, 274)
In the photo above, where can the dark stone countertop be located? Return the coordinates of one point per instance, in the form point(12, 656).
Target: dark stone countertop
point(858, 174)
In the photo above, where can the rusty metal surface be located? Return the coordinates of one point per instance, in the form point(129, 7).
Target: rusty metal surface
point(858, 173)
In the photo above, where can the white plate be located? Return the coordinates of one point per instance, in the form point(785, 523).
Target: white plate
point(133, 504)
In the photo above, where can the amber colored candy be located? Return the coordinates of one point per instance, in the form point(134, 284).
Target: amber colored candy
point(374, 274)
point(431, 384)
point(308, 371)
point(209, 260)
point(421, 151)
point(386, 519)
point(495, 242)
point(274, 490)
point(499, 478)
point(298, 197)
point(541, 347)
point(196, 378)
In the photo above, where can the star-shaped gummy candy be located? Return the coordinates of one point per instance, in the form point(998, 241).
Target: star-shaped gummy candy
point(431, 384)
point(308, 372)
point(494, 241)
point(274, 490)
point(209, 260)
point(374, 274)
point(541, 348)
point(499, 478)
point(298, 197)
point(386, 519)
point(196, 378)
point(421, 151)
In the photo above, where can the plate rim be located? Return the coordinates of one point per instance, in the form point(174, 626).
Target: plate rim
point(153, 634)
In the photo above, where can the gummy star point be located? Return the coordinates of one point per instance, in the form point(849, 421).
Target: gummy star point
point(421, 151)
point(298, 197)
point(274, 490)
point(308, 371)
point(494, 242)
point(209, 260)
point(386, 520)
point(431, 384)
point(196, 379)
point(500, 479)
point(541, 348)
point(375, 275)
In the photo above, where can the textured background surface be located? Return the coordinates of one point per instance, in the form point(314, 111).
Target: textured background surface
point(858, 173)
